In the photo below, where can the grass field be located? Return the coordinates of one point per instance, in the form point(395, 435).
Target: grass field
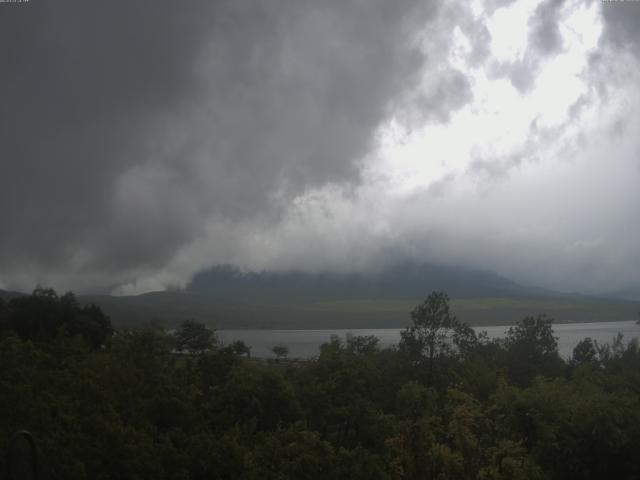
point(485, 311)
point(295, 313)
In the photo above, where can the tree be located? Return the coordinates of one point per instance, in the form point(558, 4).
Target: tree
point(4, 314)
point(362, 344)
point(240, 348)
point(89, 322)
point(280, 351)
point(534, 333)
point(435, 331)
point(532, 350)
point(194, 337)
point(586, 351)
point(44, 316)
point(257, 396)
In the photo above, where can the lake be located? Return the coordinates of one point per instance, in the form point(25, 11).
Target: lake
point(305, 343)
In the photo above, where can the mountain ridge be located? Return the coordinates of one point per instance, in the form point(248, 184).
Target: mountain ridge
point(227, 298)
point(401, 281)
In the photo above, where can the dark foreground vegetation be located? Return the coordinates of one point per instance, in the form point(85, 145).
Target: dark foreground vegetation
point(445, 404)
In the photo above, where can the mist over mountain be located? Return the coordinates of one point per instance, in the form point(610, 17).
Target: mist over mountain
point(7, 295)
point(227, 298)
point(401, 281)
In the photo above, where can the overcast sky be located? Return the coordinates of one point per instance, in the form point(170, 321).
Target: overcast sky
point(142, 141)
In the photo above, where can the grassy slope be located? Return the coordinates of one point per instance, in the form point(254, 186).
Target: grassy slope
point(294, 313)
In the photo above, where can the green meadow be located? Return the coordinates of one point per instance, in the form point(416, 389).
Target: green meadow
point(169, 308)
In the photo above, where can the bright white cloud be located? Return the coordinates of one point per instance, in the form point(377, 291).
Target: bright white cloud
point(509, 32)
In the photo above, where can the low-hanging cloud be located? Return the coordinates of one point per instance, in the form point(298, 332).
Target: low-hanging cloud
point(142, 143)
point(126, 127)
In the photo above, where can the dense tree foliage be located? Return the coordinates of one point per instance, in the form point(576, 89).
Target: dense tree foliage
point(194, 337)
point(435, 333)
point(280, 351)
point(44, 315)
point(442, 405)
point(531, 349)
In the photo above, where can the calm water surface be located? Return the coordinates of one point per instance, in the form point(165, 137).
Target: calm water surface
point(306, 343)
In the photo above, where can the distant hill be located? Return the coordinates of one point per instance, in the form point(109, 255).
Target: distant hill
point(7, 295)
point(403, 281)
point(169, 308)
point(228, 299)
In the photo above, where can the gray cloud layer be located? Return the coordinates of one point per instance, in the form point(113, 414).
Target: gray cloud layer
point(151, 139)
point(622, 20)
point(83, 83)
point(125, 126)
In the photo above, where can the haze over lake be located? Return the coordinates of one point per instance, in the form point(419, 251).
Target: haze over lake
point(306, 343)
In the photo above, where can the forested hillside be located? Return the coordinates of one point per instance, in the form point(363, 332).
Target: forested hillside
point(226, 298)
point(445, 404)
point(404, 280)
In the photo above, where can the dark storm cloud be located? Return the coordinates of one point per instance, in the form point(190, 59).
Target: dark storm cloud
point(622, 24)
point(125, 126)
point(80, 82)
point(609, 71)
